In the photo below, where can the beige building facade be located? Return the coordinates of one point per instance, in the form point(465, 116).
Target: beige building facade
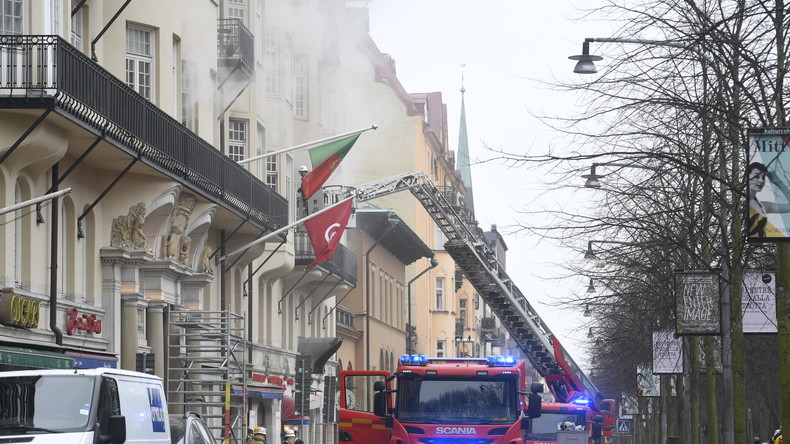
point(145, 114)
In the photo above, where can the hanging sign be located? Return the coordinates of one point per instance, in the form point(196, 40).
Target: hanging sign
point(697, 303)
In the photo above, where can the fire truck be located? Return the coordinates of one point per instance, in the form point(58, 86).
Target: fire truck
point(370, 413)
point(469, 400)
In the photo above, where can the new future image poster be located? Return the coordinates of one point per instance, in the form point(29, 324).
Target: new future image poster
point(697, 308)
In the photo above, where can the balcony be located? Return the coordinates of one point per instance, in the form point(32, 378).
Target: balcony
point(487, 324)
point(45, 72)
point(235, 46)
point(456, 201)
point(345, 319)
point(343, 263)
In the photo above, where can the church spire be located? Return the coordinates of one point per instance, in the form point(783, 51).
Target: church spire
point(463, 150)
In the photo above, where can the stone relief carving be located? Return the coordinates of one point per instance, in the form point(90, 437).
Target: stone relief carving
point(176, 245)
point(205, 262)
point(127, 231)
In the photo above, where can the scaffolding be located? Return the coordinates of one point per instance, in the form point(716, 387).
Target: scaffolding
point(207, 370)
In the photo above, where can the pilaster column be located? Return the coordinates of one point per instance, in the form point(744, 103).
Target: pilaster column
point(155, 324)
point(129, 322)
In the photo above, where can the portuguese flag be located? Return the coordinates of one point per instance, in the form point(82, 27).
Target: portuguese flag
point(325, 159)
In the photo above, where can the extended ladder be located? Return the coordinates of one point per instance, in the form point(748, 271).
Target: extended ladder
point(479, 264)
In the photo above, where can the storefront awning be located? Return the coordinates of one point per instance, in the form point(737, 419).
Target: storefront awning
point(91, 360)
point(257, 391)
point(289, 413)
point(28, 357)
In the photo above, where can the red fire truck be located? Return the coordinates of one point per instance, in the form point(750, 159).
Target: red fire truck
point(473, 400)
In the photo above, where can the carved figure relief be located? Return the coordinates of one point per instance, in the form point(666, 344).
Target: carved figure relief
point(177, 244)
point(127, 231)
point(205, 262)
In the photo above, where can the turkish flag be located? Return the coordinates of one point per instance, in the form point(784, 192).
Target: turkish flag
point(326, 229)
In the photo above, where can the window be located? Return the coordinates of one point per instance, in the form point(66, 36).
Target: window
point(272, 63)
point(237, 9)
point(189, 88)
point(440, 349)
point(52, 17)
point(259, 31)
point(77, 30)
point(300, 86)
point(462, 312)
point(12, 18)
point(18, 237)
point(237, 139)
point(438, 238)
point(440, 294)
point(140, 60)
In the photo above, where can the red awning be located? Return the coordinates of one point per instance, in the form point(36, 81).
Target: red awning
point(289, 413)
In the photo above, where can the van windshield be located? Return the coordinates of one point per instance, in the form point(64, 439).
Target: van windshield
point(44, 404)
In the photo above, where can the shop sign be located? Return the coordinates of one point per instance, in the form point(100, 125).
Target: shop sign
point(85, 322)
point(19, 311)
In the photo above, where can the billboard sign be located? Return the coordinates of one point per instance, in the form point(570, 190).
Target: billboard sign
point(697, 305)
point(758, 302)
point(667, 352)
point(768, 185)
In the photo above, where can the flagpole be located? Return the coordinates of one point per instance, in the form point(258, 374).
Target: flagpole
point(308, 144)
point(285, 228)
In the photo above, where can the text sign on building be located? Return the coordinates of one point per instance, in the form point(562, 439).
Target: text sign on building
point(758, 302)
point(697, 303)
point(667, 352)
point(768, 174)
point(19, 311)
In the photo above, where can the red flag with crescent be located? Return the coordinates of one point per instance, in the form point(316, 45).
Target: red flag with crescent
point(326, 229)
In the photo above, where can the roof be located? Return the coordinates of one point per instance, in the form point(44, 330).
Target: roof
point(402, 242)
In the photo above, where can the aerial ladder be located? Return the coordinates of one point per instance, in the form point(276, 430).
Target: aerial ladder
point(479, 264)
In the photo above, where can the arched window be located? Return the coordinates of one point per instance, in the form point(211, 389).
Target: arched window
point(18, 237)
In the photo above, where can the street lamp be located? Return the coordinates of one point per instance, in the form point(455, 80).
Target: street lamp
point(409, 343)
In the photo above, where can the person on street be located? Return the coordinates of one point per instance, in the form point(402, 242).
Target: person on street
point(777, 438)
point(258, 436)
point(290, 437)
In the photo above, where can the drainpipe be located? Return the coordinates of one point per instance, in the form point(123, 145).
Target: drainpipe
point(393, 222)
point(53, 263)
point(409, 346)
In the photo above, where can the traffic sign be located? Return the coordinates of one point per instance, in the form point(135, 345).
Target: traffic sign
point(624, 426)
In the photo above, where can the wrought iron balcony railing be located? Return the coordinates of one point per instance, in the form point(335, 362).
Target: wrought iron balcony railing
point(343, 263)
point(43, 71)
point(235, 45)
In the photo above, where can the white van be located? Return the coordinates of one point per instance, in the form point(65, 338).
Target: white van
point(92, 406)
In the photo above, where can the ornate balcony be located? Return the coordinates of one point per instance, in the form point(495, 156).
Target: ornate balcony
point(47, 73)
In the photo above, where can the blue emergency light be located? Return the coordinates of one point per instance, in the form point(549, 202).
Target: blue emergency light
point(500, 361)
point(414, 359)
point(581, 401)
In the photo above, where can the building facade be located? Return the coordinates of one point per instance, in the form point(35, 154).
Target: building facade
point(131, 206)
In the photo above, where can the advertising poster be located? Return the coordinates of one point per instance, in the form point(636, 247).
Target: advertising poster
point(697, 305)
point(647, 384)
point(628, 405)
point(768, 187)
point(667, 352)
point(758, 302)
